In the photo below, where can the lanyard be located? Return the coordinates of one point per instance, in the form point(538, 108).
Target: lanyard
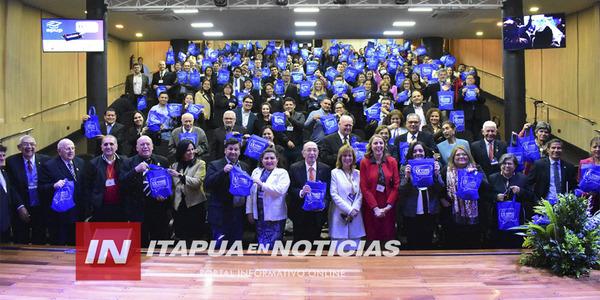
point(349, 178)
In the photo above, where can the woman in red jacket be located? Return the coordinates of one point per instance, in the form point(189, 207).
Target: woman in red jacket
point(379, 183)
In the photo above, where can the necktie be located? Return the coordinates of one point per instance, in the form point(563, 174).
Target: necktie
point(557, 178)
point(3, 182)
point(425, 201)
point(414, 138)
point(345, 140)
point(29, 166)
point(72, 170)
point(311, 174)
point(491, 151)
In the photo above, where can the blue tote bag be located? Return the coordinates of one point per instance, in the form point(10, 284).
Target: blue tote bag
point(402, 151)
point(508, 214)
point(531, 151)
point(458, 118)
point(240, 182)
point(446, 100)
point(155, 119)
point(192, 136)
point(255, 146)
point(194, 109)
point(517, 151)
point(141, 103)
point(422, 171)
point(590, 178)
point(92, 125)
point(315, 200)
point(330, 124)
point(159, 181)
point(468, 184)
point(360, 94)
point(278, 121)
point(63, 197)
point(174, 109)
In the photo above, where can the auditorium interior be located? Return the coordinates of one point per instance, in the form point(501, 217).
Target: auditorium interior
point(45, 95)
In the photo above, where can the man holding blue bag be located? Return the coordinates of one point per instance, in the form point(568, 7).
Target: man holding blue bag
point(188, 131)
point(134, 184)
point(54, 175)
point(307, 224)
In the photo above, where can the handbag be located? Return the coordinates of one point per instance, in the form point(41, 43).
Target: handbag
point(508, 214)
point(63, 197)
point(159, 181)
point(92, 125)
point(315, 200)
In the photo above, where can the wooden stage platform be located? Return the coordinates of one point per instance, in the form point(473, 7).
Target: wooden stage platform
point(44, 273)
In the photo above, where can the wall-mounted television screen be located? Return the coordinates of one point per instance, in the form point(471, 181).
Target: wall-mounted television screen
point(66, 35)
point(534, 32)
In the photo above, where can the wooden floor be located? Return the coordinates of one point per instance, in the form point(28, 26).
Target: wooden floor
point(50, 273)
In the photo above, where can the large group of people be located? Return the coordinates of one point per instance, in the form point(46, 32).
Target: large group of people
point(335, 119)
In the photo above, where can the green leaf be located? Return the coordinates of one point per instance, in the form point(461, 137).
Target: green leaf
point(549, 211)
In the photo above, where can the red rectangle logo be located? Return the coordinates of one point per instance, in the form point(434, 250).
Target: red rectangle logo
point(108, 251)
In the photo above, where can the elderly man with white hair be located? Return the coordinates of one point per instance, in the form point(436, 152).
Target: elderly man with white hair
point(488, 150)
point(54, 174)
point(188, 131)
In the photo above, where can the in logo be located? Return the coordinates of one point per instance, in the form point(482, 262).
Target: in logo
point(108, 251)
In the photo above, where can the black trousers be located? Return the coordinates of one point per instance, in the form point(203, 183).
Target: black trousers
point(419, 231)
point(189, 221)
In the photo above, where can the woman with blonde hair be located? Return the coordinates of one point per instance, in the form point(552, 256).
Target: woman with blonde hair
point(345, 218)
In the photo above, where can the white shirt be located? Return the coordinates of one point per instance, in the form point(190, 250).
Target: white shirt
point(419, 111)
point(409, 137)
point(137, 84)
point(245, 118)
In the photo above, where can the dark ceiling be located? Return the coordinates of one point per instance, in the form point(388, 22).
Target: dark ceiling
point(277, 22)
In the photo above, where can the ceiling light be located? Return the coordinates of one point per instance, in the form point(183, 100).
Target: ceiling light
point(404, 23)
point(499, 24)
point(212, 33)
point(339, 1)
point(420, 9)
point(305, 33)
point(120, 26)
point(186, 11)
point(306, 24)
point(202, 25)
point(139, 34)
point(479, 33)
point(306, 9)
point(281, 2)
point(534, 9)
point(393, 32)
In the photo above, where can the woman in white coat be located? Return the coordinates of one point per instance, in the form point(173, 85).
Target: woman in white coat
point(345, 218)
point(266, 204)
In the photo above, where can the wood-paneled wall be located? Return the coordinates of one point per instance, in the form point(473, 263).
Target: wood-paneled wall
point(567, 78)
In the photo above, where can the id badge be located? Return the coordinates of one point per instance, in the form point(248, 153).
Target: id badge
point(110, 182)
point(160, 81)
point(351, 197)
point(290, 128)
point(494, 162)
point(381, 188)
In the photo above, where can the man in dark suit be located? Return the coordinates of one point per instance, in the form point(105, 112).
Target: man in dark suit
point(122, 107)
point(109, 126)
point(225, 211)
point(52, 176)
point(7, 195)
point(436, 87)
point(217, 148)
point(23, 169)
point(294, 130)
point(291, 90)
point(307, 224)
point(164, 77)
point(333, 142)
point(101, 184)
point(136, 84)
point(551, 175)
point(237, 82)
point(244, 116)
point(488, 150)
point(140, 205)
point(413, 123)
point(417, 107)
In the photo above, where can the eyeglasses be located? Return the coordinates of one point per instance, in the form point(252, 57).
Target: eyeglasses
point(68, 148)
point(28, 144)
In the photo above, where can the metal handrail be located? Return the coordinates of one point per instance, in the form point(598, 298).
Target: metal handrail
point(26, 131)
point(537, 101)
point(493, 75)
point(25, 117)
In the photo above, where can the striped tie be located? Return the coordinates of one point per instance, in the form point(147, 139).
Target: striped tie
point(72, 170)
